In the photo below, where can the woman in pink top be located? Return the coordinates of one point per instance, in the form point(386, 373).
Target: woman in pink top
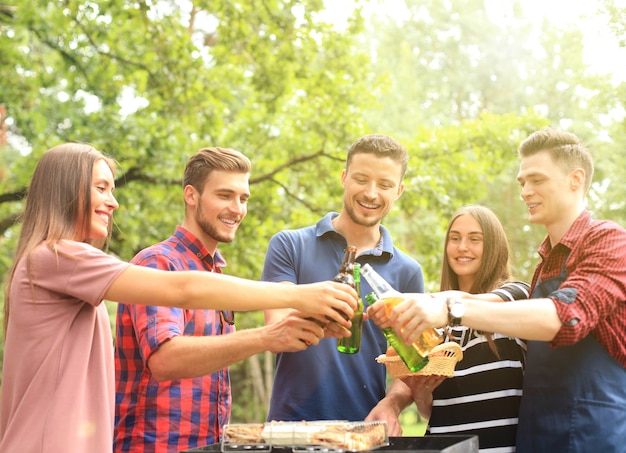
point(57, 379)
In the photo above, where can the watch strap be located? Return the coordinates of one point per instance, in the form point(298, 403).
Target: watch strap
point(454, 320)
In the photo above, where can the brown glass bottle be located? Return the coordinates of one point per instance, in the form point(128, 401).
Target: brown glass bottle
point(345, 275)
point(346, 270)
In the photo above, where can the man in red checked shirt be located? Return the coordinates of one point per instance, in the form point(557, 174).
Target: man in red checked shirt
point(171, 365)
point(575, 383)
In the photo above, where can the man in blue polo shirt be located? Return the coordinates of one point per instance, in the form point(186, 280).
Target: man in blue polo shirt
point(321, 383)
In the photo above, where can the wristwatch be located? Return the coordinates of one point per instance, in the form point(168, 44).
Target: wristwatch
point(456, 310)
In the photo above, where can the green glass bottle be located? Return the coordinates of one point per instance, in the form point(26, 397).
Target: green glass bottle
point(383, 290)
point(407, 352)
point(352, 344)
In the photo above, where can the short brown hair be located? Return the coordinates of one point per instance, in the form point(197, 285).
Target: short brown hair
point(382, 146)
point(201, 164)
point(567, 151)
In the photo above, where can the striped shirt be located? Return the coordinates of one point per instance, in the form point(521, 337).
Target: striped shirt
point(175, 415)
point(483, 397)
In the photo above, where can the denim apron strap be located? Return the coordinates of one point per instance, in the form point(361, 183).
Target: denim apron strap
point(573, 395)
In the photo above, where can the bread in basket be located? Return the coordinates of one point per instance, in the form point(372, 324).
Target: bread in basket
point(441, 362)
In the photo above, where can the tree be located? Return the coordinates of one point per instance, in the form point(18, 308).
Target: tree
point(617, 21)
point(463, 89)
point(151, 83)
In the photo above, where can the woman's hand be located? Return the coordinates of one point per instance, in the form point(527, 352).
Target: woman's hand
point(418, 312)
point(422, 391)
point(422, 386)
point(326, 301)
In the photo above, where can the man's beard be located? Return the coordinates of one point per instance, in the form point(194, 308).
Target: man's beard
point(209, 229)
point(366, 222)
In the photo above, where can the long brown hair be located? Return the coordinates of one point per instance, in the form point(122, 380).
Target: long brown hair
point(495, 268)
point(58, 197)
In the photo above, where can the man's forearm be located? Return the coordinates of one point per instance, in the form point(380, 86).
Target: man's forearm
point(534, 319)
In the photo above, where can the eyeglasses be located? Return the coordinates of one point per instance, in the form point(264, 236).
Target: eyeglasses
point(228, 316)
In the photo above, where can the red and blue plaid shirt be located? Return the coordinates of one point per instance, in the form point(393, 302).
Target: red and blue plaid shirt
point(174, 415)
point(593, 298)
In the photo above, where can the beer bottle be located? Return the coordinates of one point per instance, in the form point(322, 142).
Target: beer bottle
point(346, 271)
point(407, 353)
point(352, 344)
point(345, 275)
point(429, 339)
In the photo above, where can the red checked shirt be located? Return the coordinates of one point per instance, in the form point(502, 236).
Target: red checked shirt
point(176, 415)
point(593, 298)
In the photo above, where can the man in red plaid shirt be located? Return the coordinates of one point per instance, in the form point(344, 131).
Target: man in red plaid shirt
point(171, 365)
point(575, 381)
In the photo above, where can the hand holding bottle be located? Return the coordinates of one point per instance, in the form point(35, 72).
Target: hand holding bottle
point(423, 343)
point(377, 314)
point(409, 355)
point(418, 313)
point(344, 277)
point(327, 301)
point(352, 344)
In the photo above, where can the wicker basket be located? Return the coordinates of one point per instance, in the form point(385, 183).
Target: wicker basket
point(441, 362)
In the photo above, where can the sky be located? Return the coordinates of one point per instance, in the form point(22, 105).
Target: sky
point(602, 52)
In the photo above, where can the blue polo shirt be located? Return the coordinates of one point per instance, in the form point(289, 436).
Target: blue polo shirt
point(321, 383)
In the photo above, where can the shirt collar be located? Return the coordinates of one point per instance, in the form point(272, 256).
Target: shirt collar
point(571, 236)
point(191, 242)
point(385, 244)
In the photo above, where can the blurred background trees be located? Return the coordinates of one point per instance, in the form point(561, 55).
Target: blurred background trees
point(292, 84)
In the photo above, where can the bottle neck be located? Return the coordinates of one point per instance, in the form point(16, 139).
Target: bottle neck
point(346, 271)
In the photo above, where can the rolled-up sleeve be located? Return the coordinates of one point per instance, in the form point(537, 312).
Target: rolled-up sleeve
point(593, 297)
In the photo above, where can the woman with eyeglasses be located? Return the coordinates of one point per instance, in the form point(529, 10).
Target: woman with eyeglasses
point(58, 375)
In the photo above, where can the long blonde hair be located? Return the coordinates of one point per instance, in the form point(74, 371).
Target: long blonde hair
point(495, 268)
point(58, 198)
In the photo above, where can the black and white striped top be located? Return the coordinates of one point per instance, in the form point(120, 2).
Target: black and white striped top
point(513, 291)
point(484, 395)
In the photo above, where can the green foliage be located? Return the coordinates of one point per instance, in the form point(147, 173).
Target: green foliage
point(617, 22)
point(463, 90)
point(150, 85)
point(456, 165)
